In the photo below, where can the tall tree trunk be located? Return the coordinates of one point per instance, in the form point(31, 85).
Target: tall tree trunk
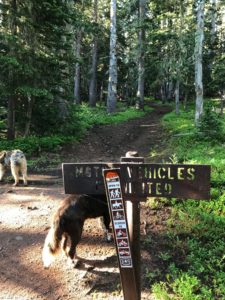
point(29, 115)
point(101, 93)
point(112, 84)
point(77, 69)
point(34, 45)
point(12, 97)
point(179, 63)
point(92, 85)
point(213, 33)
point(222, 101)
point(11, 117)
point(177, 96)
point(186, 94)
point(213, 21)
point(170, 90)
point(163, 93)
point(198, 61)
point(141, 65)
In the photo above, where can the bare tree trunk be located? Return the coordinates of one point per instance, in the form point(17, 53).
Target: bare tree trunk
point(29, 115)
point(198, 61)
point(186, 93)
point(179, 63)
point(177, 96)
point(163, 93)
point(101, 93)
point(12, 97)
point(92, 85)
point(213, 21)
point(77, 69)
point(213, 33)
point(222, 102)
point(112, 85)
point(11, 118)
point(141, 65)
point(170, 90)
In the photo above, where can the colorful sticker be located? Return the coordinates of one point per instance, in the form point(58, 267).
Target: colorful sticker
point(119, 219)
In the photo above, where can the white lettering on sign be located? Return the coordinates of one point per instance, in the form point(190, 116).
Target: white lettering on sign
point(113, 185)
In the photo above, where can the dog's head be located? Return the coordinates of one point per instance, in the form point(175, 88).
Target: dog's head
point(16, 157)
point(2, 156)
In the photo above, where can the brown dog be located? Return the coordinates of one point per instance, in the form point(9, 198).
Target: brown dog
point(16, 160)
point(68, 222)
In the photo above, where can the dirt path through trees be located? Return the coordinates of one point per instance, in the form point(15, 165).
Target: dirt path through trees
point(110, 142)
point(26, 211)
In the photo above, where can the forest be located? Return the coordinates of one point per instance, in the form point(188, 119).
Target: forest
point(67, 66)
point(59, 55)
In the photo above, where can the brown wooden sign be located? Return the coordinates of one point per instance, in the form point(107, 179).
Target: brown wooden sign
point(150, 180)
point(136, 180)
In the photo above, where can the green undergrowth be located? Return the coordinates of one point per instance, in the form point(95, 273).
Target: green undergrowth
point(82, 119)
point(195, 234)
point(98, 116)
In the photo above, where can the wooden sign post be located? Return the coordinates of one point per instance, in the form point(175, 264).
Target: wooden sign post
point(121, 233)
point(133, 180)
point(133, 219)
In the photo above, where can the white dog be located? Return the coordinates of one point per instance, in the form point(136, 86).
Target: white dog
point(16, 160)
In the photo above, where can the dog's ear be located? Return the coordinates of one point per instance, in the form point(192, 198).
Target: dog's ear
point(2, 155)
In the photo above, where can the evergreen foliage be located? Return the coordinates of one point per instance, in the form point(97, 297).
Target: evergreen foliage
point(210, 127)
point(38, 57)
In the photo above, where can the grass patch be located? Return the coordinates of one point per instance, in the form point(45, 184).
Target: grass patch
point(87, 118)
point(98, 116)
point(195, 228)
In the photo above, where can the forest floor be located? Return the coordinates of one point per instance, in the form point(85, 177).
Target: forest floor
point(26, 212)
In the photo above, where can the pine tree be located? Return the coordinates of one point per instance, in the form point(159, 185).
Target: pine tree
point(141, 65)
point(112, 84)
point(198, 60)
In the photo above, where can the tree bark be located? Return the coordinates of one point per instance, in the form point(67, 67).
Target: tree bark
point(77, 99)
point(213, 21)
point(29, 115)
point(141, 65)
point(186, 93)
point(12, 97)
point(177, 96)
point(199, 38)
point(222, 101)
point(112, 84)
point(11, 118)
point(93, 79)
point(163, 93)
point(213, 33)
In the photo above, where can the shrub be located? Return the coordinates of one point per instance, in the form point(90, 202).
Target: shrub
point(210, 127)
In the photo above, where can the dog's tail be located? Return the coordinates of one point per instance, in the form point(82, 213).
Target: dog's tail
point(52, 243)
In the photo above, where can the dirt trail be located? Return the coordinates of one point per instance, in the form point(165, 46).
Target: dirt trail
point(110, 142)
point(26, 211)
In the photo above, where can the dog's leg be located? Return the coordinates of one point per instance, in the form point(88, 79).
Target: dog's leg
point(72, 252)
point(75, 236)
point(66, 250)
point(65, 246)
point(103, 227)
point(101, 223)
point(15, 173)
point(106, 222)
point(2, 171)
point(24, 172)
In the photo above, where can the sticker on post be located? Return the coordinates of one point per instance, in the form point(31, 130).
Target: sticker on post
point(118, 218)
